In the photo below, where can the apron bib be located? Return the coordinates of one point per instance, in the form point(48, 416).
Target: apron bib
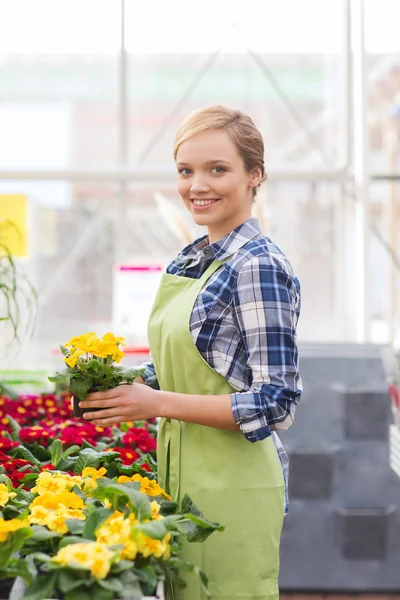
point(232, 481)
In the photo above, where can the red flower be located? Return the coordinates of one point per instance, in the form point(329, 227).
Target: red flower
point(146, 467)
point(36, 434)
point(128, 456)
point(140, 438)
point(48, 467)
point(7, 444)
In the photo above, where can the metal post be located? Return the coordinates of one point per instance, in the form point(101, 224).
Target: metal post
point(361, 173)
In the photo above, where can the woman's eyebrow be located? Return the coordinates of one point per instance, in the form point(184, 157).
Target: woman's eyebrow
point(209, 162)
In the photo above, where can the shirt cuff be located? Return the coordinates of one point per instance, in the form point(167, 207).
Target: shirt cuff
point(251, 422)
point(149, 377)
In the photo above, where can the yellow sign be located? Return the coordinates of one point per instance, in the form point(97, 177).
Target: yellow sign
point(14, 223)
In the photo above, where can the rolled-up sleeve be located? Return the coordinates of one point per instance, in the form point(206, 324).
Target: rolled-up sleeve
point(149, 375)
point(266, 307)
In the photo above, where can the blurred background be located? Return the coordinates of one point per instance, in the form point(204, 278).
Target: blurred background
point(91, 94)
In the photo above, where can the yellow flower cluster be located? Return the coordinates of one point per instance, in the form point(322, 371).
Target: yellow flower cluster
point(121, 530)
point(55, 502)
point(93, 556)
point(90, 477)
point(148, 486)
point(10, 526)
point(90, 344)
point(118, 530)
point(5, 495)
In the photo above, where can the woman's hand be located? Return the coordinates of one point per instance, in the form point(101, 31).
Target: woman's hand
point(135, 402)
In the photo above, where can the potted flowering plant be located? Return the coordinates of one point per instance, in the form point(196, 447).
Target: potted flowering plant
point(92, 365)
point(91, 537)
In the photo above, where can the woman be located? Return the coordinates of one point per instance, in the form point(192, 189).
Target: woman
point(224, 371)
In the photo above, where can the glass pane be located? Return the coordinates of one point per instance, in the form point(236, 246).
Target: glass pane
point(58, 83)
point(287, 73)
point(382, 45)
point(307, 221)
point(384, 280)
point(70, 259)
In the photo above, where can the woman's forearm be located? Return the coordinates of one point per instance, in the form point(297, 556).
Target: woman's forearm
point(213, 411)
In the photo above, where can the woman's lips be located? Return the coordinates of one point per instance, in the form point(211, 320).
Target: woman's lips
point(208, 204)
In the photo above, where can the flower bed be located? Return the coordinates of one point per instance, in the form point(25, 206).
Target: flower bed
point(81, 506)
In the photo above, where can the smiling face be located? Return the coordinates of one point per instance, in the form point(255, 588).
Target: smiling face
point(213, 182)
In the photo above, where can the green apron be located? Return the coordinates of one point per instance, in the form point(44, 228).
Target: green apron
point(233, 481)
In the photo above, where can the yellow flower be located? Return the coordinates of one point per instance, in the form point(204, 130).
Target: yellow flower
point(5, 495)
point(49, 483)
point(94, 473)
point(66, 499)
point(148, 546)
point(118, 530)
point(148, 486)
point(10, 526)
point(155, 511)
point(72, 360)
point(123, 479)
point(75, 480)
point(55, 520)
point(78, 339)
point(110, 338)
point(39, 515)
point(92, 555)
point(117, 355)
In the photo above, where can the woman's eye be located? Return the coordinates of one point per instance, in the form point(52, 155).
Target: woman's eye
point(219, 169)
point(184, 171)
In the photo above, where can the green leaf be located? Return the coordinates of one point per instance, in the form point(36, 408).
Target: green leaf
point(70, 579)
point(195, 527)
point(118, 494)
point(24, 496)
point(17, 568)
point(22, 452)
point(94, 520)
point(148, 577)
point(168, 507)
point(80, 387)
point(13, 543)
point(56, 451)
point(77, 594)
point(71, 450)
point(15, 428)
point(65, 351)
point(67, 464)
point(87, 458)
point(43, 587)
point(112, 584)
point(30, 477)
point(41, 534)
point(62, 377)
point(75, 526)
point(100, 593)
point(154, 529)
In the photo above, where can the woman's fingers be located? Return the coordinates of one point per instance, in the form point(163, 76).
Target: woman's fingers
point(108, 422)
point(109, 413)
point(100, 403)
point(107, 395)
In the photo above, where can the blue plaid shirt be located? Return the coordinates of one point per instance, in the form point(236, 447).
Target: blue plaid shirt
point(244, 325)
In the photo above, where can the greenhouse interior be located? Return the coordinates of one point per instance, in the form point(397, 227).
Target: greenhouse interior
point(130, 190)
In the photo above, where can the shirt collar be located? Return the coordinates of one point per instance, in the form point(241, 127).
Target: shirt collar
point(226, 246)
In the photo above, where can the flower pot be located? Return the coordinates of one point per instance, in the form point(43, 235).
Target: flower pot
point(78, 412)
point(19, 587)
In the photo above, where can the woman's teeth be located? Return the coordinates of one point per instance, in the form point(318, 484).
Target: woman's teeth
point(203, 202)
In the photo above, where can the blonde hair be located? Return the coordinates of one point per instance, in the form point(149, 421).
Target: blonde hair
point(245, 135)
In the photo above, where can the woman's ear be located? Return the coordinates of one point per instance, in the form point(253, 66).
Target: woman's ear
point(255, 177)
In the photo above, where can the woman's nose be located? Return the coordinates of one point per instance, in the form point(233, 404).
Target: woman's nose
point(199, 184)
